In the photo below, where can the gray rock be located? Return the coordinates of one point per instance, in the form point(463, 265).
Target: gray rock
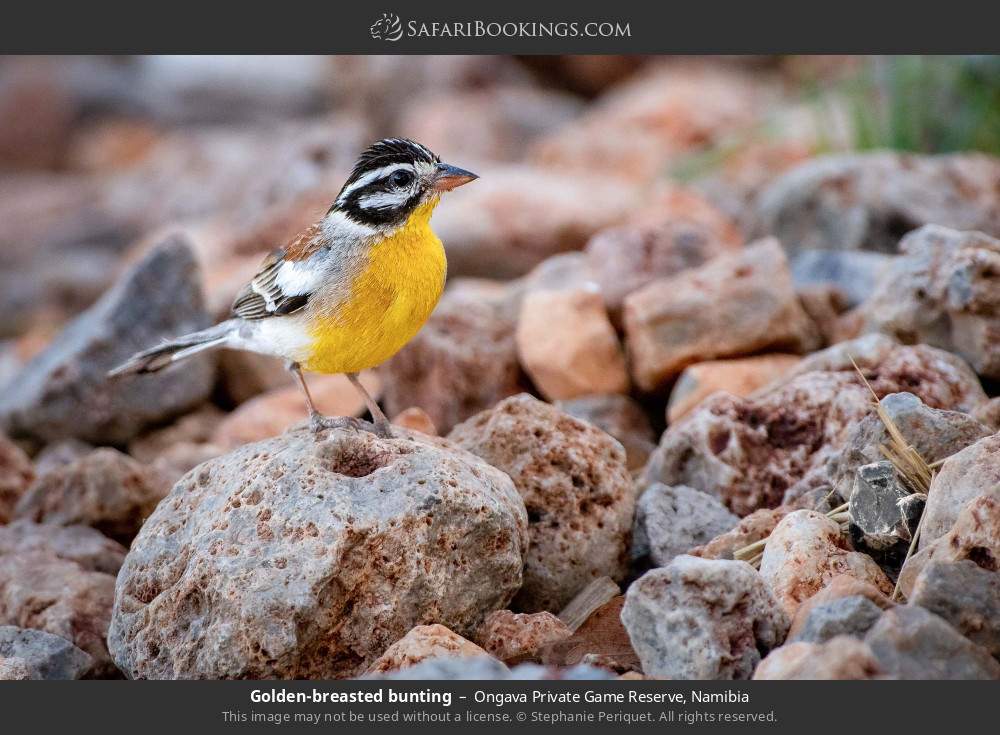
point(306, 556)
point(942, 291)
point(87, 547)
point(41, 591)
point(933, 433)
point(44, 656)
point(965, 595)
point(106, 489)
point(854, 272)
point(16, 474)
point(702, 619)
point(963, 477)
point(868, 201)
point(577, 490)
point(451, 668)
point(579, 672)
point(884, 513)
point(673, 520)
point(911, 643)
point(64, 392)
point(853, 615)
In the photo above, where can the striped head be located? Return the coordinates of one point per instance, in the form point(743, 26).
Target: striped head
point(391, 179)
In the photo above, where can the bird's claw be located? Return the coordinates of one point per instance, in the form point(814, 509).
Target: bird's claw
point(318, 423)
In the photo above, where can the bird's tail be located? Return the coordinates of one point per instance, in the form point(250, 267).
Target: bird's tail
point(175, 350)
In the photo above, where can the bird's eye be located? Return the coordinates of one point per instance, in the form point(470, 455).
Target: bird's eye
point(399, 179)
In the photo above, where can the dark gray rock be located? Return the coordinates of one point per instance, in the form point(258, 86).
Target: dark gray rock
point(64, 391)
point(884, 513)
point(43, 655)
point(911, 643)
point(854, 272)
point(853, 615)
point(702, 619)
point(933, 433)
point(307, 555)
point(673, 520)
point(965, 595)
point(86, 546)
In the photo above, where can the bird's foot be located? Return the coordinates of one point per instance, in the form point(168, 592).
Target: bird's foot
point(318, 422)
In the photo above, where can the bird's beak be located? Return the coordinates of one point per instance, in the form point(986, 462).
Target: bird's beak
point(450, 177)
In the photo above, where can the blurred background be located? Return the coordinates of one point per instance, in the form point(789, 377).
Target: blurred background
point(101, 156)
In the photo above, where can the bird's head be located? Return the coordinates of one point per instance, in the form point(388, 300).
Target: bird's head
point(393, 178)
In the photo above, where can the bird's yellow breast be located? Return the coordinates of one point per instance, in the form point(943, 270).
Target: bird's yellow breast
point(391, 298)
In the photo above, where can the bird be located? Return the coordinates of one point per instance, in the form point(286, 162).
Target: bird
point(348, 292)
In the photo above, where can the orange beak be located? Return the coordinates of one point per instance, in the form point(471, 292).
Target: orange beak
point(451, 177)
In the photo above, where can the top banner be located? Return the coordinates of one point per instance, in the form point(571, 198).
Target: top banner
point(510, 27)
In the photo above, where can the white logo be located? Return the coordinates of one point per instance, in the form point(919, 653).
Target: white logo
point(387, 28)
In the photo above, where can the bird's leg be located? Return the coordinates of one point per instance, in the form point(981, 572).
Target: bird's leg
point(318, 422)
point(382, 426)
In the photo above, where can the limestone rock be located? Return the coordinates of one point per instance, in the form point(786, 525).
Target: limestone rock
point(462, 361)
point(422, 643)
point(86, 546)
point(567, 344)
point(911, 643)
point(839, 587)
point(64, 391)
point(868, 201)
point(626, 257)
point(702, 619)
point(621, 417)
point(106, 489)
point(451, 668)
point(739, 377)
point(942, 291)
point(43, 655)
point(673, 520)
point(963, 477)
point(774, 447)
point(804, 552)
point(965, 595)
point(854, 273)
point(306, 556)
point(516, 637)
point(41, 591)
point(16, 474)
point(574, 483)
point(734, 305)
point(416, 419)
point(845, 616)
point(271, 413)
point(988, 413)
point(839, 658)
point(751, 529)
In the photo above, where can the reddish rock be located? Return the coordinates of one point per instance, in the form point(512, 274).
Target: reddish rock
point(575, 485)
point(16, 474)
point(619, 416)
point(805, 552)
point(988, 413)
point(734, 305)
point(685, 232)
point(513, 219)
point(106, 489)
point(567, 345)
point(276, 411)
point(839, 658)
point(739, 377)
point(422, 643)
point(751, 529)
point(774, 446)
point(416, 419)
point(41, 591)
point(517, 637)
point(462, 361)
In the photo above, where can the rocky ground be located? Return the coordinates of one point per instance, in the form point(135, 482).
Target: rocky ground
point(637, 437)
